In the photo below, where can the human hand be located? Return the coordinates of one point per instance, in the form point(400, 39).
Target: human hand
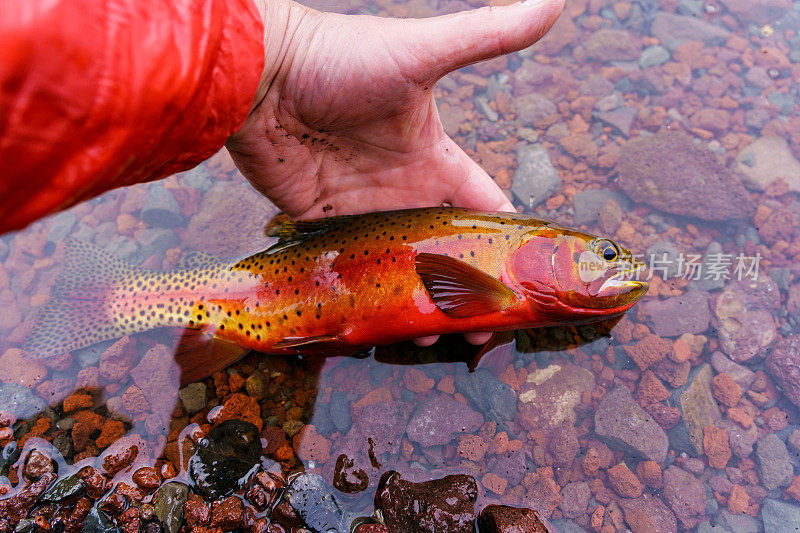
point(348, 123)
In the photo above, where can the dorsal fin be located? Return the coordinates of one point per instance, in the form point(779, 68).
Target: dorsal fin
point(460, 290)
point(297, 231)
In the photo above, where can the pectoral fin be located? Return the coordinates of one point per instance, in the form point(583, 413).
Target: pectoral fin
point(460, 290)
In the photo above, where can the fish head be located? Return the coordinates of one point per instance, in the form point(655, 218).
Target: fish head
point(575, 273)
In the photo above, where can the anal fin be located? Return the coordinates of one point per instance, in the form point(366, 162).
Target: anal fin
point(199, 355)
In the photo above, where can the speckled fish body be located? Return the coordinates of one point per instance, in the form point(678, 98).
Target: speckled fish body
point(350, 281)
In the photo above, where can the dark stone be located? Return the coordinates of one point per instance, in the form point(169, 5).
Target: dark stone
point(339, 411)
point(168, 504)
point(348, 479)
point(161, 209)
point(444, 505)
point(488, 395)
point(505, 519)
point(98, 522)
point(63, 488)
point(225, 457)
point(669, 172)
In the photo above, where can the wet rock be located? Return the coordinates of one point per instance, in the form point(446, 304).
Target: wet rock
point(121, 454)
point(311, 446)
point(687, 313)
point(783, 363)
point(763, 12)
point(624, 482)
point(653, 56)
point(158, 376)
point(239, 406)
point(564, 445)
point(317, 504)
point(444, 505)
point(536, 179)
point(384, 423)
point(777, 515)
point(227, 514)
point(37, 464)
point(193, 397)
point(98, 522)
point(62, 489)
point(740, 374)
point(168, 503)
point(161, 209)
point(772, 457)
point(440, 419)
point(726, 390)
point(670, 173)
point(549, 396)
point(767, 159)
point(589, 202)
point(668, 28)
point(699, 408)
point(224, 457)
point(743, 316)
point(488, 395)
point(647, 513)
point(575, 499)
point(717, 447)
point(613, 45)
point(339, 411)
point(505, 519)
point(20, 401)
point(684, 493)
point(512, 467)
point(532, 108)
point(624, 425)
point(348, 479)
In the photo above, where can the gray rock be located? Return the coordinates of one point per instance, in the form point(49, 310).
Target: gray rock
point(124, 248)
point(168, 504)
point(780, 517)
point(767, 159)
point(339, 411)
point(621, 119)
point(608, 103)
point(60, 226)
point(669, 28)
point(95, 522)
point(199, 177)
point(687, 313)
point(740, 374)
point(317, 504)
point(20, 401)
point(156, 241)
point(653, 56)
point(536, 179)
point(664, 258)
point(772, 457)
point(708, 283)
point(738, 523)
point(440, 419)
point(588, 203)
point(575, 499)
point(488, 395)
point(532, 108)
point(624, 425)
point(161, 209)
point(193, 397)
point(597, 86)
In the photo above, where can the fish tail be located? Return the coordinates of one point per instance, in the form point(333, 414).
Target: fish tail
point(82, 310)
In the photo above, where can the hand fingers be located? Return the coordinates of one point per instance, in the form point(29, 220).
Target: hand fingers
point(453, 41)
point(478, 337)
point(426, 341)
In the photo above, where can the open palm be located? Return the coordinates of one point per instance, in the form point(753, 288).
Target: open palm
point(348, 122)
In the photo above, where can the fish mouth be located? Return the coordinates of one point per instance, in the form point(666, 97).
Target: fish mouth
point(618, 287)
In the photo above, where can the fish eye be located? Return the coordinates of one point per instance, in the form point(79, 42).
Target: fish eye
point(606, 249)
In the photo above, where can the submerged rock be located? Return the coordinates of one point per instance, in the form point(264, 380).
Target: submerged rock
point(444, 505)
point(744, 320)
point(767, 159)
point(783, 364)
point(624, 425)
point(777, 515)
point(774, 468)
point(648, 513)
point(669, 172)
point(440, 419)
point(699, 408)
point(317, 504)
point(536, 179)
point(224, 457)
point(549, 396)
point(505, 519)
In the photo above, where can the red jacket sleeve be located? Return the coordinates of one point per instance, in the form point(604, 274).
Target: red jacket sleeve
point(95, 94)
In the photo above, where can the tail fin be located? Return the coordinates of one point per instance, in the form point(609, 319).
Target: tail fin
point(77, 314)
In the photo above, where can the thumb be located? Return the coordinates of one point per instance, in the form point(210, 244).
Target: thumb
point(449, 42)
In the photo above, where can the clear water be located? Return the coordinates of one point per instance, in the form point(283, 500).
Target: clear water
point(533, 427)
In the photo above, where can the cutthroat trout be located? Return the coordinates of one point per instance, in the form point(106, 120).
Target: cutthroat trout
point(351, 281)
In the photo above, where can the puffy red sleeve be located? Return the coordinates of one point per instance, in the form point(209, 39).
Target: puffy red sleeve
point(95, 94)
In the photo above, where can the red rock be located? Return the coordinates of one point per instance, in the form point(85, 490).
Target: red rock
point(648, 513)
point(158, 376)
point(708, 118)
point(651, 389)
point(580, 145)
point(121, 453)
point(196, 513)
point(239, 406)
point(134, 401)
point(76, 401)
point(472, 448)
point(311, 446)
point(684, 493)
point(794, 489)
point(117, 360)
point(111, 431)
point(504, 519)
point(717, 447)
point(494, 483)
point(726, 390)
point(649, 351)
point(147, 478)
point(611, 45)
point(417, 381)
point(624, 482)
point(227, 514)
point(564, 445)
point(739, 501)
point(372, 528)
point(650, 473)
point(665, 416)
point(447, 383)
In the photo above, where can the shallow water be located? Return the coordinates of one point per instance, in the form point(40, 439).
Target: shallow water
point(687, 408)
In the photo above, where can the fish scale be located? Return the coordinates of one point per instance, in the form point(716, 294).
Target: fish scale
point(348, 281)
